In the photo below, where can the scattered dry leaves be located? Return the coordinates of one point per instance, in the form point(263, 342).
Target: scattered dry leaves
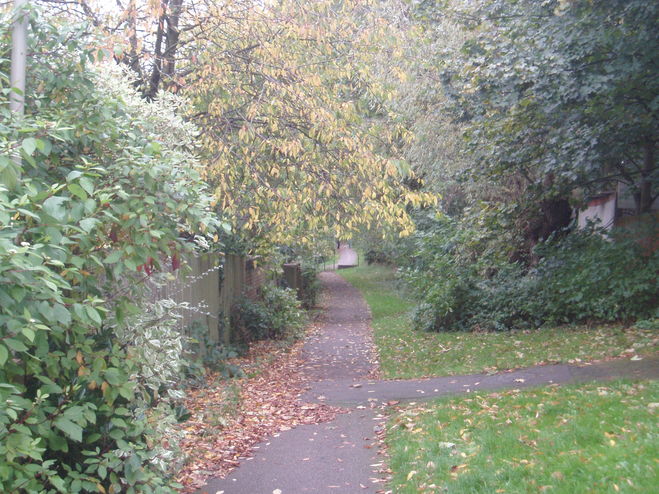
point(269, 402)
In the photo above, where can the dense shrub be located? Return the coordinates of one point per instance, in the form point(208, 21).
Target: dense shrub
point(106, 187)
point(310, 286)
point(588, 276)
point(509, 299)
point(249, 320)
point(377, 256)
point(203, 353)
point(286, 315)
point(584, 276)
point(278, 314)
point(442, 276)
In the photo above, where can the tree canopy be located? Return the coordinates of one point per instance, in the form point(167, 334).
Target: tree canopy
point(299, 142)
point(562, 94)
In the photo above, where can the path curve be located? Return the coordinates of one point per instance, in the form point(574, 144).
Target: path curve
point(340, 456)
point(351, 393)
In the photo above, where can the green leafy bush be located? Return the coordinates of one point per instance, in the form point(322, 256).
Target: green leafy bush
point(156, 345)
point(509, 299)
point(585, 276)
point(376, 256)
point(107, 185)
point(278, 314)
point(442, 276)
point(310, 286)
point(202, 353)
point(588, 276)
point(286, 315)
point(249, 320)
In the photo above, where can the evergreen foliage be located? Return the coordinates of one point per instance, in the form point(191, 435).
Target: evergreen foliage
point(106, 184)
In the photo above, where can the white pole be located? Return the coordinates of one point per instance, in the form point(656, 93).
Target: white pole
point(18, 59)
point(17, 80)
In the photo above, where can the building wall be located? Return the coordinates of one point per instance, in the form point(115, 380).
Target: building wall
point(602, 209)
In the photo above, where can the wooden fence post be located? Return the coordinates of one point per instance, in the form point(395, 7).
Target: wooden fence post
point(293, 277)
point(232, 289)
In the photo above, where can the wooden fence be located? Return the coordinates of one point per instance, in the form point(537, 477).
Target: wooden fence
point(196, 285)
point(293, 277)
point(242, 278)
point(207, 288)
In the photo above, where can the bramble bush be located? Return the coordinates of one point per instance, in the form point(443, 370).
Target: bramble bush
point(106, 185)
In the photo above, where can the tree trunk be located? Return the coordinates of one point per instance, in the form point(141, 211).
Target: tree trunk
point(645, 186)
point(171, 42)
point(156, 72)
point(134, 57)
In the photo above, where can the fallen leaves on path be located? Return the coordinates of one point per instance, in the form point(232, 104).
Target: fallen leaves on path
point(218, 439)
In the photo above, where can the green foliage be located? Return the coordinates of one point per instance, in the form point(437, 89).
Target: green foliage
point(582, 277)
point(558, 94)
point(587, 276)
point(203, 353)
point(286, 315)
point(442, 274)
point(156, 345)
point(539, 92)
point(278, 314)
point(250, 320)
point(377, 256)
point(310, 286)
point(652, 323)
point(107, 184)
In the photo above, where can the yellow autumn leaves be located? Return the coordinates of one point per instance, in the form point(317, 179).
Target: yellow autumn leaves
point(299, 141)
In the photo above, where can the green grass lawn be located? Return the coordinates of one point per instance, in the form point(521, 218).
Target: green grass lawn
point(593, 438)
point(409, 354)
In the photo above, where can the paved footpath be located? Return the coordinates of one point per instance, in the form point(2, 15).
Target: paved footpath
point(338, 456)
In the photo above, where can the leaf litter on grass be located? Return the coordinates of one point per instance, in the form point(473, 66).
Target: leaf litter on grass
point(229, 418)
point(594, 437)
point(407, 354)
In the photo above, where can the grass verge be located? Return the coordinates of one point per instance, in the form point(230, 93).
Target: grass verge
point(589, 438)
point(411, 354)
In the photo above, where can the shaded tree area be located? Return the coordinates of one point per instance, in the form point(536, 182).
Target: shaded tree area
point(521, 111)
point(144, 36)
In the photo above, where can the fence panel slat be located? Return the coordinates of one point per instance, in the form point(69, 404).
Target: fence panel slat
point(198, 284)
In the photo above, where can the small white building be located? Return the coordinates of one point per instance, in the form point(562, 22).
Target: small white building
point(612, 208)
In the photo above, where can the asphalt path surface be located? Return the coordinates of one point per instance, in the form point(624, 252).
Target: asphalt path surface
point(341, 456)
